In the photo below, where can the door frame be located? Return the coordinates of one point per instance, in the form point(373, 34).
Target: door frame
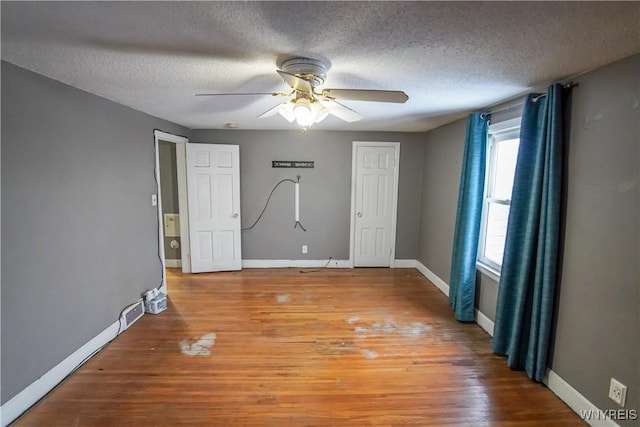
point(181, 169)
point(394, 203)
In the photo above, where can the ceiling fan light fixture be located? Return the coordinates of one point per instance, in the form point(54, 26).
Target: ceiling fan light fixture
point(303, 113)
point(311, 104)
point(319, 111)
point(286, 111)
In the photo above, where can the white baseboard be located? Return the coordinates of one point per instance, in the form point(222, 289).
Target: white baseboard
point(484, 322)
point(440, 284)
point(296, 263)
point(311, 263)
point(404, 263)
point(173, 263)
point(580, 404)
point(43, 385)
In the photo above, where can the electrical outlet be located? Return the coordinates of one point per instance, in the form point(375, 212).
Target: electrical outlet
point(617, 392)
point(304, 249)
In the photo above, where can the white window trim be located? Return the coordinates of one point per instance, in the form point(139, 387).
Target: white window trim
point(490, 272)
point(501, 131)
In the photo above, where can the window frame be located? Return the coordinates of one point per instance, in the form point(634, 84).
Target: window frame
point(502, 131)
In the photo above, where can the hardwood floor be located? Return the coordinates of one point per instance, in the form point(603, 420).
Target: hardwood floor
point(361, 347)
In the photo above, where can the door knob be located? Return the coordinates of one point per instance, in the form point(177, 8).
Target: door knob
point(235, 215)
point(359, 214)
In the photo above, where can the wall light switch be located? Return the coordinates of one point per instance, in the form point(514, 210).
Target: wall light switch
point(154, 200)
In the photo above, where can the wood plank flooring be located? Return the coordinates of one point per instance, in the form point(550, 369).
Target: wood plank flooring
point(277, 347)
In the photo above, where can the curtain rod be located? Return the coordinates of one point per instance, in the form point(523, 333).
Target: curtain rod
point(569, 85)
point(508, 107)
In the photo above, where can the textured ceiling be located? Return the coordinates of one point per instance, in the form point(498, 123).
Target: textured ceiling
point(449, 57)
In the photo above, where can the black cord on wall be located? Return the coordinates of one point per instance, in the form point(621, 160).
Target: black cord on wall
point(267, 204)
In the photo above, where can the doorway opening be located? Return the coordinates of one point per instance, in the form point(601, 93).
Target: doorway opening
point(173, 221)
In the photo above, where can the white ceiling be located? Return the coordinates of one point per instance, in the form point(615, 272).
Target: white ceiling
point(449, 57)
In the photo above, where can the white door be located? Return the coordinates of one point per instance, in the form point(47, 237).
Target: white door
point(374, 203)
point(213, 186)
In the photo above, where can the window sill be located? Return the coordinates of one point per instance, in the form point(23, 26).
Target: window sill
point(490, 272)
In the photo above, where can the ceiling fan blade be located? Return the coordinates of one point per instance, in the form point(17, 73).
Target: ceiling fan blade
point(297, 83)
point(366, 95)
point(284, 108)
point(271, 111)
point(242, 94)
point(339, 110)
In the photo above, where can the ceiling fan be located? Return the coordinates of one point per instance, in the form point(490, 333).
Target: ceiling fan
point(309, 103)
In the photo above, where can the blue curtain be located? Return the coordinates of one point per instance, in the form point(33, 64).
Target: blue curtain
point(528, 277)
point(462, 283)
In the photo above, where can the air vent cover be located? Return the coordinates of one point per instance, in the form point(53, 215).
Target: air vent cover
point(131, 314)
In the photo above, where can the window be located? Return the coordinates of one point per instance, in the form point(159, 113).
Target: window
point(503, 140)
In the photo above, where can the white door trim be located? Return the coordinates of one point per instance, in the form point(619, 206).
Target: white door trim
point(394, 211)
point(181, 169)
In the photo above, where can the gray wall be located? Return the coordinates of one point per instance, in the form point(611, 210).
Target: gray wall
point(598, 326)
point(325, 190)
point(79, 234)
point(441, 178)
point(597, 330)
point(168, 176)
